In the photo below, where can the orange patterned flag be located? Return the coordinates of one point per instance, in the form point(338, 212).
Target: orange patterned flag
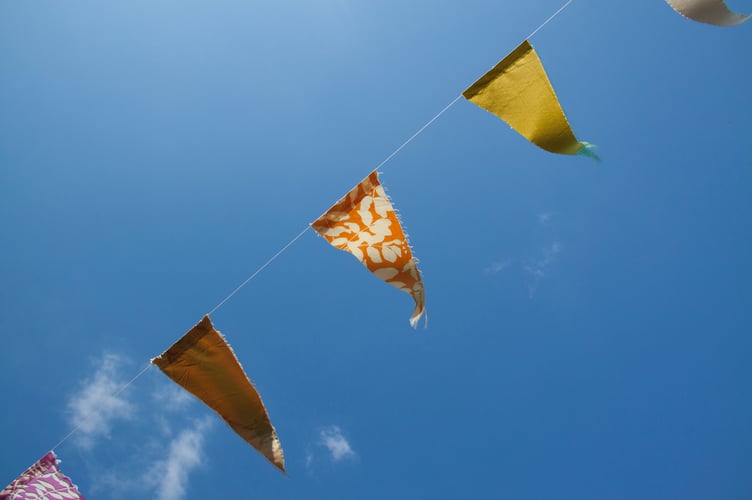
point(365, 224)
point(203, 364)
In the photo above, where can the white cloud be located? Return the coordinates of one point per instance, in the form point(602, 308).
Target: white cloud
point(156, 453)
point(537, 267)
point(497, 267)
point(332, 439)
point(170, 476)
point(545, 217)
point(172, 397)
point(93, 409)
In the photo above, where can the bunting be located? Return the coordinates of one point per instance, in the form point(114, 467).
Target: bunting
point(708, 11)
point(202, 363)
point(43, 480)
point(365, 224)
point(518, 91)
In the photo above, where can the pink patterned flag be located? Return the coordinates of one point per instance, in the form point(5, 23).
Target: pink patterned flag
point(42, 481)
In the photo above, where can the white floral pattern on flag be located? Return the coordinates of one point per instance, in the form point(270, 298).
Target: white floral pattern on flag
point(42, 481)
point(365, 224)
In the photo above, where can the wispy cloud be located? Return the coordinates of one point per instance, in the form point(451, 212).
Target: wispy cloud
point(172, 397)
point(157, 450)
point(545, 217)
point(170, 476)
point(537, 267)
point(96, 405)
point(332, 439)
point(497, 267)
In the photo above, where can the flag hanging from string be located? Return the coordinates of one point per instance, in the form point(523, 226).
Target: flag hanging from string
point(202, 363)
point(365, 224)
point(518, 91)
point(43, 480)
point(708, 11)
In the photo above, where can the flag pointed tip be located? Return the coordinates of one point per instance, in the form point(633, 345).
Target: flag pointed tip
point(588, 150)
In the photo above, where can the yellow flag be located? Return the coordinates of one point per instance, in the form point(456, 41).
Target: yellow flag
point(202, 363)
point(518, 91)
point(365, 224)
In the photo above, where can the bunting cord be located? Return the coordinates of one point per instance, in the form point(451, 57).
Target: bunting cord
point(420, 131)
point(117, 393)
point(258, 271)
point(536, 30)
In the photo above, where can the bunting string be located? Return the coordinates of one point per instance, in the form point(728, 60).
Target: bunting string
point(258, 271)
point(536, 30)
point(420, 131)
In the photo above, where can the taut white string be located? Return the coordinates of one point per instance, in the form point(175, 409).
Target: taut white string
point(549, 19)
point(264, 266)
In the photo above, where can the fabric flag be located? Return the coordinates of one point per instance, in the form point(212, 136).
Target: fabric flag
point(365, 224)
point(708, 11)
point(43, 480)
point(203, 364)
point(518, 91)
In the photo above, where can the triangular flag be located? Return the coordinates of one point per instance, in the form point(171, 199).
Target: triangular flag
point(708, 11)
point(518, 91)
point(42, 480)
point(365, 224)
point(202, 363)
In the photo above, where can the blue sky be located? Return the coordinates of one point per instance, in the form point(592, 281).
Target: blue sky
point(589, 329)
